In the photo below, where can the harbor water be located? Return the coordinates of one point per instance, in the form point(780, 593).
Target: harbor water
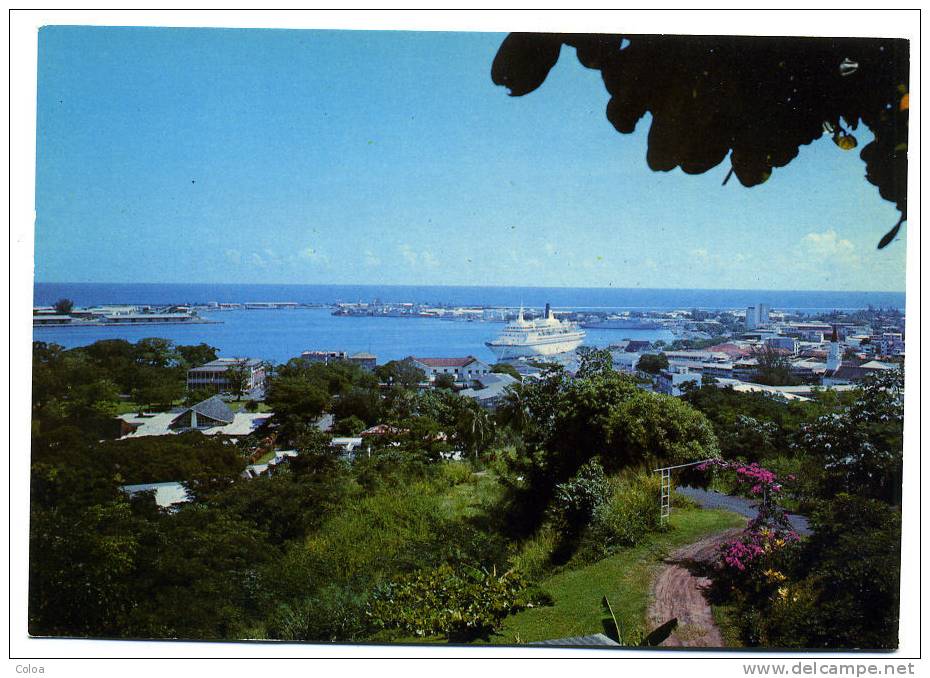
point(281, 334)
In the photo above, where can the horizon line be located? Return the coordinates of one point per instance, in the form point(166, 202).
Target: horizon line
point(547, 287)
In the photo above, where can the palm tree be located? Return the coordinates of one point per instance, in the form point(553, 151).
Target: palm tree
point(474, 426)
point(513, 410)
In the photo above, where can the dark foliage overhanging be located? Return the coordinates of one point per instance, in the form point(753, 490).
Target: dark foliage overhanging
point(756, 99)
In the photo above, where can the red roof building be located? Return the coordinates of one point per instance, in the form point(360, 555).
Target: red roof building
point(462, 369)
point(734, 351)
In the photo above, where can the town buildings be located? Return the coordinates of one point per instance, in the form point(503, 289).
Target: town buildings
point(324, 357)
point(464, 369)
point(489, 389)
point(363, 359)
point(757, 316)
point(221, 374)
point(211, 417)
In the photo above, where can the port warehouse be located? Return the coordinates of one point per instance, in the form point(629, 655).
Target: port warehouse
point(127, 319)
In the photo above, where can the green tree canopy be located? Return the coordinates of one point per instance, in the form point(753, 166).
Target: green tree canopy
point(400, 373)
point(660, 429)
point(506, 368)
point(64, 306)
point(653, 363)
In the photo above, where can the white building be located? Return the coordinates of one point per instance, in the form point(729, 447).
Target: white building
point(464, 369)
point(757, 316)
point(672, 379)
point(835, 353)
point(167, 495)
point(215, 375)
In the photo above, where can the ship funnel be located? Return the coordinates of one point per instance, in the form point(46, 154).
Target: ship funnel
point(548, 312)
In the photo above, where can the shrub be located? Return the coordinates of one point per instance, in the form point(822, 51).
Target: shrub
point(390, 531)
point(630, 512)
point(251, 406)
point(461, 603)
point(389, 467)
point(331, 614)
point(349, 426)
point(577, 499)
point(535, 556)
point(452, 473)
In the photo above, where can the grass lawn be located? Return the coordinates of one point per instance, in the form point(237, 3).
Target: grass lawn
point(265, 458)
point(126, 407)
point(239, 406)
point(729, 629)
point(624, 578)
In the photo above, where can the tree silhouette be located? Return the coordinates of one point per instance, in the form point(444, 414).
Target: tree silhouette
point(64, 306)
point(756, 99)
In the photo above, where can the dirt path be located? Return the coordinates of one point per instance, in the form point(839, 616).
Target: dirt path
point(677, 592)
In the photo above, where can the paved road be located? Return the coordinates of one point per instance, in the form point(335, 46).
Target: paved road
point(740, 505)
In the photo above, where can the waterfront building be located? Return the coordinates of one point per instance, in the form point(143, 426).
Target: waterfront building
point(324, 356)
point(269, 305)
point(148, 318)
point(46, 319)
point(464, 369)
point(364, 360)
point(216, 377)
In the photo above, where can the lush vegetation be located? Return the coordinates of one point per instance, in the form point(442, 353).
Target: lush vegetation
point(623, 577)
point(840, 460)
point(452, 523)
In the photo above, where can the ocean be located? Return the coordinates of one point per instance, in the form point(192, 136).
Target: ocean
point(278, 335)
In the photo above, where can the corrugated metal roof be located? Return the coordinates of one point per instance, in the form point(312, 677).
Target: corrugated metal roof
point(215, 408)
point(446, 362)
point(594, 640)
point(222, 364)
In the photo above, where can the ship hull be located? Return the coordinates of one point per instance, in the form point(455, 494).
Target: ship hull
point(514, 351)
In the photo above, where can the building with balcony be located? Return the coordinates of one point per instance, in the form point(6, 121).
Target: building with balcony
point(217, 376)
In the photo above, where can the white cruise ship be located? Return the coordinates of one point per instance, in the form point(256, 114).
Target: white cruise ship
point(545, 336)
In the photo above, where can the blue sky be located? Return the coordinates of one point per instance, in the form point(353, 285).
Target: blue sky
point(261, 156)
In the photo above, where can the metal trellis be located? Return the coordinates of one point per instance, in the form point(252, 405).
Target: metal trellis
point(665, 508)
point(665, 494)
